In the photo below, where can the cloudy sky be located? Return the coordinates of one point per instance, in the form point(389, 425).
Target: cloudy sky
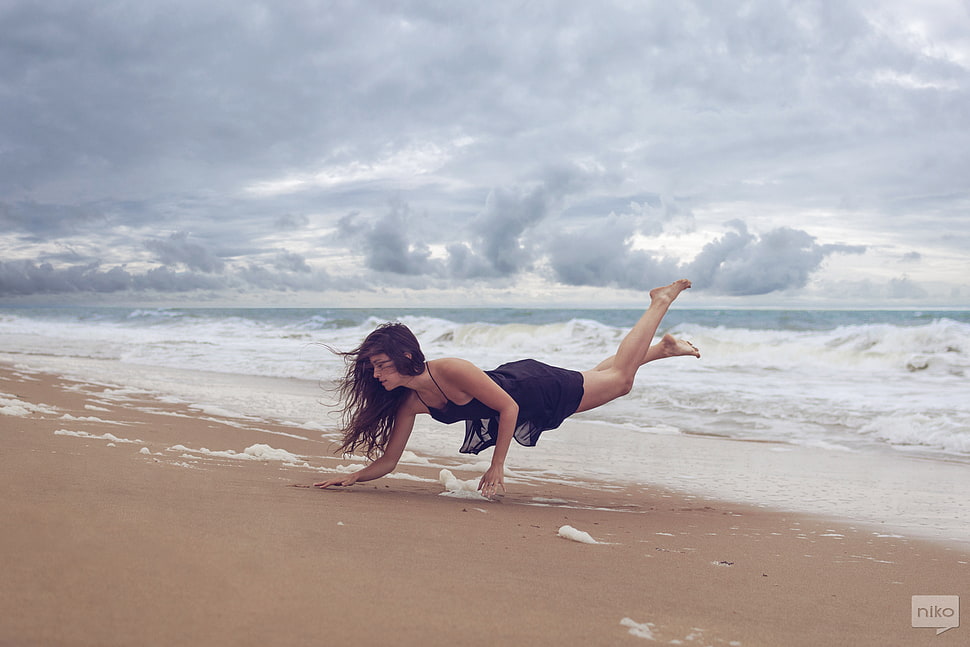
point(521, 153)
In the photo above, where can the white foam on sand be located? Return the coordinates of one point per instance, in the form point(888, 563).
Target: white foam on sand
point(413, 459)
point(355, 467)
point(257, 452)
point(568, 532)
point(574, 505)
point(264, 452)
point(404, 476)
point(458, 489)
point(97, 420)
point(696, 636)
point(11, 405)
point(220, 412)
point(349, 469)
point(83, 434)
point(278, 433)
point(639, 629)
point(27, 376)
point(113, 393)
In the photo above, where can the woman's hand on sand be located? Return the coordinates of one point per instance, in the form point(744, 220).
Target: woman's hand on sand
point(343, 481)
point(492, 480)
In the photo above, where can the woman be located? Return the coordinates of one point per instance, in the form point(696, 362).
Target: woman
point(389, 383)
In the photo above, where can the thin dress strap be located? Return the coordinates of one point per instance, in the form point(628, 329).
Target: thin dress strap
point(447, 401)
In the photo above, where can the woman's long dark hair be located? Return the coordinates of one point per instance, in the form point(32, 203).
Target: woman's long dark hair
point(369, 410)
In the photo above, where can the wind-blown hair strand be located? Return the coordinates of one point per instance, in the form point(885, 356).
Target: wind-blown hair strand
point(369, 410)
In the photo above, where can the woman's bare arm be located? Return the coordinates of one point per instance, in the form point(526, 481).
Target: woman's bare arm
point(400, 432)
point(465, 377)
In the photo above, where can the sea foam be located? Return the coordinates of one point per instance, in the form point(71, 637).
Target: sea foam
point(11, 405)
point(257, 452)
point(83, 434)
point(581, 536)
point(458, 489)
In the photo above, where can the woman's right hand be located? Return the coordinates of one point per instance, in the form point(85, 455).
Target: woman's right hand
point(343, 481)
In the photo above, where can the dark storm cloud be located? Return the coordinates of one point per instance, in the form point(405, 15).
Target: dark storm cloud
point(503, 234)
point(387, 243)
point(602, 255)
point(738, 263)
point(464, 263)
point(163, 279)
point(506, 217)
point(499, 238)
point(178, 249)
point(741, 263)
point(291, 262)
point(26, 277)
point(203, 271)
point(503, 243)
point(300, 277)
point(499, 246)
point(21, 278)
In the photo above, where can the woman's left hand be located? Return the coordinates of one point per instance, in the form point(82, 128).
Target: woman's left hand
point(492, 480)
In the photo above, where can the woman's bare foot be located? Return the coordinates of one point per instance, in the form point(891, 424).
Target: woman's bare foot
point(669, 292)
point(670, 346)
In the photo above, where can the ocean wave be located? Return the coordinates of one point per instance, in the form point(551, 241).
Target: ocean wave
point(897, 382)
point(155, 313)
point(939, 346)
point(921, 430)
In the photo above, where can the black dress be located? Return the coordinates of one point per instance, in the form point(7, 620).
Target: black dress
point(546, 396)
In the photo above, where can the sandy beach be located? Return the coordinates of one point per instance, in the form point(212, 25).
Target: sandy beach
point(136, 521)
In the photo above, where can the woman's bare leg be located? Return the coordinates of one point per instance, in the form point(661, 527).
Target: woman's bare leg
point(669, 346)
point(614, 376)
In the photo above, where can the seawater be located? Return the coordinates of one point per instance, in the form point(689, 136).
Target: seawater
point(862, 381)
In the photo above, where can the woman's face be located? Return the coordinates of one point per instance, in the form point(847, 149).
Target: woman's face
point(385, 372)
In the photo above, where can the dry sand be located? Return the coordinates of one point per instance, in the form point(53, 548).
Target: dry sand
point(102, 544)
